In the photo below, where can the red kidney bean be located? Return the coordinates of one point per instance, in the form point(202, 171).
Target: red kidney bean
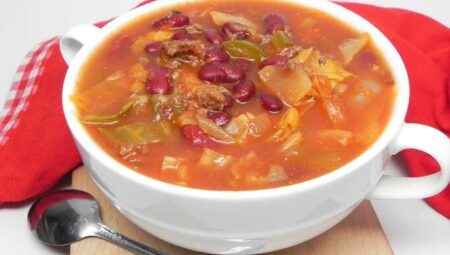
point(179, 20)
point(216, 55)
point(161, 22)
point(244, 90)
point(174, 20)
point(220, 118)
point(152, 48)
point(227, 29)
point(243, 63)
point(157, 82)
point(221, 73)
point(194, 135)
point(213, 36)
point(228, 103)
point(274, 22)
point(271, 103)
point(235, 29)
point(182, 36)
point(274, 61)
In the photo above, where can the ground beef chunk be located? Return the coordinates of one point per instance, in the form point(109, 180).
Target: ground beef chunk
point(291, 52)
point(177, 48)
point(194, 29)
point(131, 152)
point(211, 97)
point(236, 31)
point(177, 52)
point(264, 39)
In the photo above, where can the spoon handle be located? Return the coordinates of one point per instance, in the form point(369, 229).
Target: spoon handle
point(112, 236)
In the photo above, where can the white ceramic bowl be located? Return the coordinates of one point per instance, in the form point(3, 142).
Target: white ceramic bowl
point(245, 222)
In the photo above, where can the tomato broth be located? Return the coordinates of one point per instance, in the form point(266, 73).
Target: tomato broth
point(223, 95)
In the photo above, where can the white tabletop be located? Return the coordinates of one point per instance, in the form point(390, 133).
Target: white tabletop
point(411, 226)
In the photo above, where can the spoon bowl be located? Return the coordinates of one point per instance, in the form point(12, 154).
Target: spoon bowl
point(64, 217)
point(67, 216)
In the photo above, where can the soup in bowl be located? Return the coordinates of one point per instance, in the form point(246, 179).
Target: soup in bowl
point(250, 127)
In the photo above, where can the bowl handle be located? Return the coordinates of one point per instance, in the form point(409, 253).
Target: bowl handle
point(428, 140)
point(74, 39)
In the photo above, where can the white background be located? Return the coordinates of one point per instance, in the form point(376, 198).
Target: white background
point(411, 226)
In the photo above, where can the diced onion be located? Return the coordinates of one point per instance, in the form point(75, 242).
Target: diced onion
point(239, 127)
point(289, 85)
point(170, 163)
point(295, 139)
point(326, 67)
point(210, 158)
point(220, 18)
point(350, 47)
point(339, 136)
point(332, 105)
point(286, 125)
point(175, 164)
point(213, 130)
point(276, 174)
point(303, 55)
point(290, 119)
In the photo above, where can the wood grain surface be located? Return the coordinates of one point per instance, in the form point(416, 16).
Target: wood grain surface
point(360, 233)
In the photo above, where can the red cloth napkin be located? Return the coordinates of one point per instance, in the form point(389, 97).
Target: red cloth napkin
point(36, 148)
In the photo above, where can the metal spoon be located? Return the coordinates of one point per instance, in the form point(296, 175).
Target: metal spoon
point(67, 216)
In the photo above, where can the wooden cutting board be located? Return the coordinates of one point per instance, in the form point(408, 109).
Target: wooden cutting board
point(359, 233)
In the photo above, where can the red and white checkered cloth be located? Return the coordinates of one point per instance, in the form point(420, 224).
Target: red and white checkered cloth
point(24, 86)
point(36, 148)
